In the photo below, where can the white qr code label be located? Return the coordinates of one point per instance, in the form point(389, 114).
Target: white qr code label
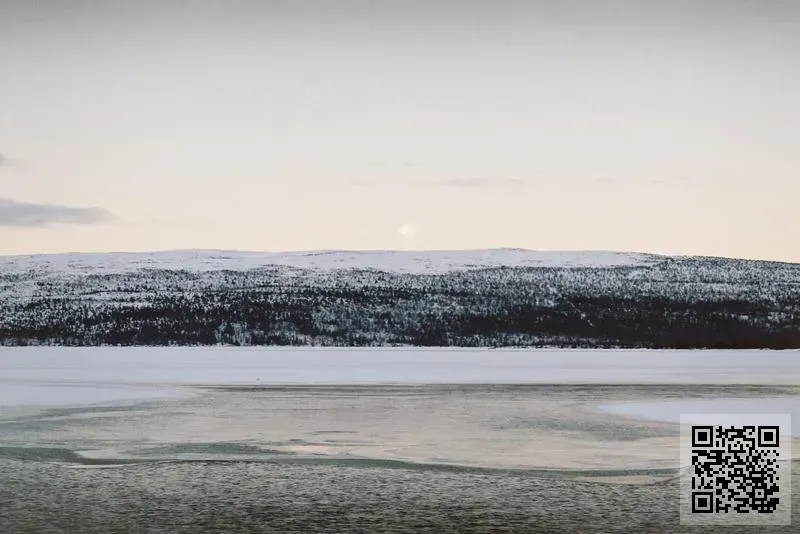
point(736, 469)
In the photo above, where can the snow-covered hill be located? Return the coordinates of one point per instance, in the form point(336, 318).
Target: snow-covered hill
point(389, 261)
point(473, 298)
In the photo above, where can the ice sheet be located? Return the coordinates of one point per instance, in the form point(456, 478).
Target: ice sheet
point(94, 374)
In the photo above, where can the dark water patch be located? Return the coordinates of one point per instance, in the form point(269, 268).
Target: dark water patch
point(284, 497)
point(459, 468)
point(211, 448)
point(57, 454)
point(107, 408)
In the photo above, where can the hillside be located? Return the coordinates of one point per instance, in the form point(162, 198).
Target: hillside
point(503, 297)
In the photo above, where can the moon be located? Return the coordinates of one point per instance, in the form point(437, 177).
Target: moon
point(407, 230)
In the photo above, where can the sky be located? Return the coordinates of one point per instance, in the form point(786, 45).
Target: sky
point(653, 126)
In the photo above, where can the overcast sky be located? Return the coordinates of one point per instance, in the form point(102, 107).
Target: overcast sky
point(657, 126)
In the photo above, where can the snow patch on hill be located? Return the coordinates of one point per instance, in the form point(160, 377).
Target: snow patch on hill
point(390, 261)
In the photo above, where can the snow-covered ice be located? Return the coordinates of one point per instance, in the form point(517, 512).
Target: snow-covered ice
point(152, 369)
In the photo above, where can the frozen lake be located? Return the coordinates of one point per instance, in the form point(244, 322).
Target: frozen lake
point(523, 431)
point(61, 375)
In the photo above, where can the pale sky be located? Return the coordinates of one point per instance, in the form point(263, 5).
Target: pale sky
point(655, 126)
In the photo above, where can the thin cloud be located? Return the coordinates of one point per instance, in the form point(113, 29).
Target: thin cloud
point(7, 162)
point(460, 183)
point(457, 182)
point(474, 182)
point(30, 215)
point(406, 164)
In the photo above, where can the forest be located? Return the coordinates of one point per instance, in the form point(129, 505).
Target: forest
point(677, 303)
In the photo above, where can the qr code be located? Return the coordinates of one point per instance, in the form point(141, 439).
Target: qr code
point(737, 470)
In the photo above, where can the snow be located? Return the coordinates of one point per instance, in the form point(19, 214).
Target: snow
point(312, 365)
point(390, 261)
point(123, 373)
